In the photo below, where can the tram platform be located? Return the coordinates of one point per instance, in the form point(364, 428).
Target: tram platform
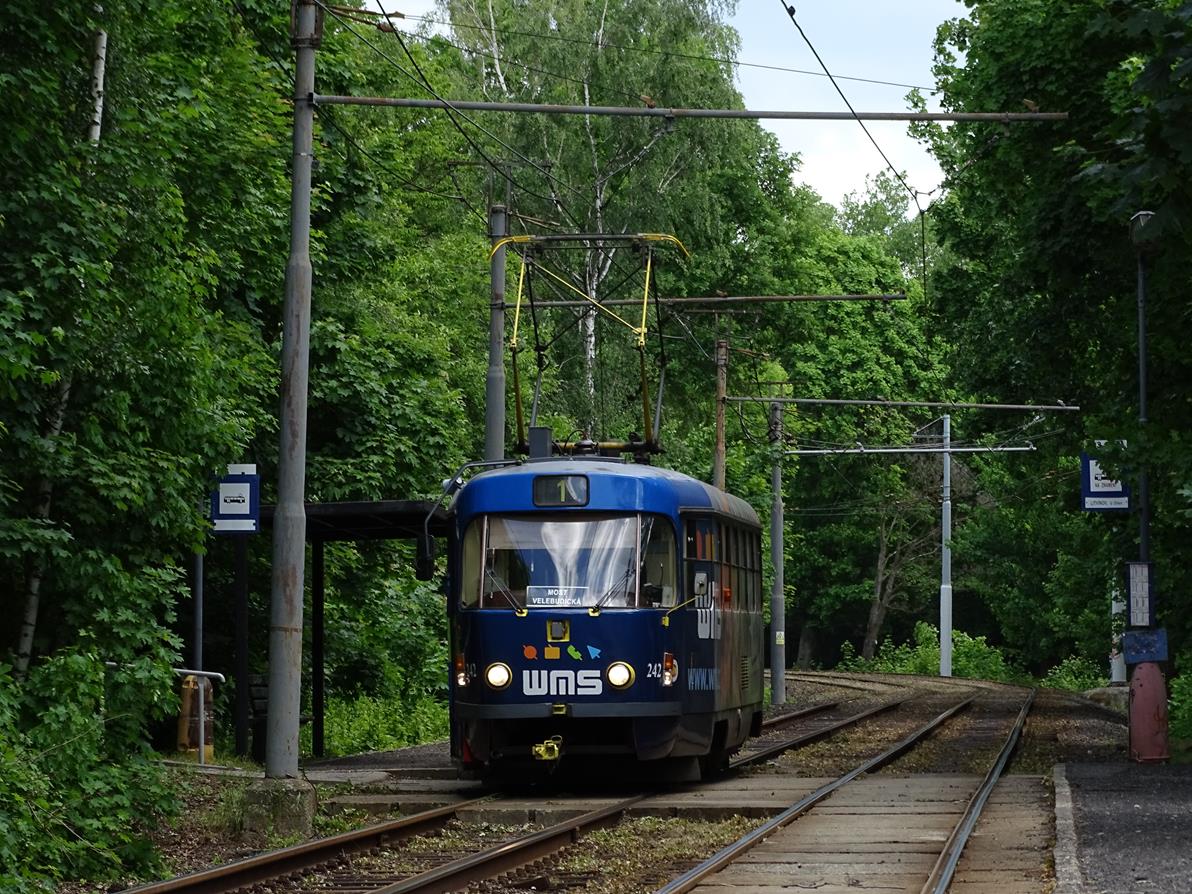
point(1123, 828)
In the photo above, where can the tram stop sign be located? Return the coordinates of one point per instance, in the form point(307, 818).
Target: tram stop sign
point(1099, 492)
point(236, 501)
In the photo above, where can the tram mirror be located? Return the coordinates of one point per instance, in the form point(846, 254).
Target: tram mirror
point(699, 586)
point(424, 558)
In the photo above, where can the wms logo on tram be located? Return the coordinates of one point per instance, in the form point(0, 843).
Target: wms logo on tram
point(561, 682)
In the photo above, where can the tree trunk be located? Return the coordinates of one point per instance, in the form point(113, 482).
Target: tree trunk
point(57, 415)
point(41, 512)
point(877, 608)
point(806, 652)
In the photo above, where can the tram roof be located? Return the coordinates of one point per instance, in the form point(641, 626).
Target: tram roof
point(613, 486)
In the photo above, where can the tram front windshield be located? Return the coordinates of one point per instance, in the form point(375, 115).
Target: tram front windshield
point(568, 560)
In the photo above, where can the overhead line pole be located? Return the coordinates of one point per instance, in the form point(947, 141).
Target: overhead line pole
point(947, 450)
point(646, 112)
point(289, 526)
point(777, 557)
point(721, 391)
point(494, 411)
point(946, 555)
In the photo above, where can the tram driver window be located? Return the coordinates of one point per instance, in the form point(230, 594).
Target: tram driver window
point(658, 563)
point(469, 578)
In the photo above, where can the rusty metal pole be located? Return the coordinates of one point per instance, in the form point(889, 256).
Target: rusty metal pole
point(289, 526)
point(721, 400)
point(494, 399)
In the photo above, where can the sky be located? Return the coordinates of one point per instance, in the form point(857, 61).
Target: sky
point(877, 39)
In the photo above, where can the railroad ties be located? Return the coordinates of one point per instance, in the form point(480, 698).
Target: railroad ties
point(876, 816)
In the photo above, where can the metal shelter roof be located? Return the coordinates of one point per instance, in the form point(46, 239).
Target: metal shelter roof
point(368, 520)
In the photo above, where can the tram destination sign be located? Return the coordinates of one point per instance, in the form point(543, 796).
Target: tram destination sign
point(556, 597)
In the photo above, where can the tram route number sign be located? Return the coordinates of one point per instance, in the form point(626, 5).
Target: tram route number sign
point(236, 501)
point(1099, 492)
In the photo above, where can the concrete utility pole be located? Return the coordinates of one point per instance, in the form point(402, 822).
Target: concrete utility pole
point(721, 394)
point(289, 526)
point(494, 401)
point(946, 556)
point(777, 596)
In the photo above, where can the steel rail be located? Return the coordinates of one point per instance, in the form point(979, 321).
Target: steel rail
point(941, 874)
point(272, 865)
point(726, 855)
point(495, 861)
point(782, 719)
point(757, 757)
point(836, 681)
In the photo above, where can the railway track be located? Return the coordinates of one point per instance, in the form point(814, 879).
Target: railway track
point(336, 865)
point(943, 868)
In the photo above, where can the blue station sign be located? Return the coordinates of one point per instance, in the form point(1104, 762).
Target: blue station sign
point(1099, 492)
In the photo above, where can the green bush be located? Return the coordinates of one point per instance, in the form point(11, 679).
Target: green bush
point(972, 657)
point(366, 723)
point(76, 782)
point(1179, 712)
point(1075, 673)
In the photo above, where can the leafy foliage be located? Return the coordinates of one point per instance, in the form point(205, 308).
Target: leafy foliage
point(76, 785)
point(972, 657)
point(381, 723)
point(1075, 673)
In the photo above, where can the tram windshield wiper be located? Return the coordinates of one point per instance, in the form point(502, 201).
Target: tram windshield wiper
point(499, 586)
point(621, 584)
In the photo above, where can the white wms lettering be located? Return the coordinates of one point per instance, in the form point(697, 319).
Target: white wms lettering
point(707, 614)
point(561, 682)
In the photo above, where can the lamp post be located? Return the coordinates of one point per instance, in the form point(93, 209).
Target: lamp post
point(1148, 689)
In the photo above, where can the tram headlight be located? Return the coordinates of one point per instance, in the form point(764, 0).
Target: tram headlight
point(461, 672)
point(498, 675)
point(620, 675)
point(670, 669)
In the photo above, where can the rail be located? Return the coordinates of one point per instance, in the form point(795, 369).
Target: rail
point(726, 855)
point(783, 719)
point(941, 873)
point(764, 754)
point(502, 858)
point(263, 867)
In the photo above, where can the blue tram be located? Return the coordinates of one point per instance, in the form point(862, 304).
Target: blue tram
point(600, 609)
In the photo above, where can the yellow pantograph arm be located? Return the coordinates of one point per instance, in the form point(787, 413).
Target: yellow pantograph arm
point(641, 332)
point(521, 279)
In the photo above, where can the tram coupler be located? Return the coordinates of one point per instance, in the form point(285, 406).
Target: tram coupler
point(550, 750)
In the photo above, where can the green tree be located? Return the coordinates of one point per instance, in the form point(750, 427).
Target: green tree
point(1038, 299)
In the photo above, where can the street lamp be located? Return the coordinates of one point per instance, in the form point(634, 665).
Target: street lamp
point(1148, 689)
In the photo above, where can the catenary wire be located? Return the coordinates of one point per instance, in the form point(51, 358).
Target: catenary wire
point(914, 193)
